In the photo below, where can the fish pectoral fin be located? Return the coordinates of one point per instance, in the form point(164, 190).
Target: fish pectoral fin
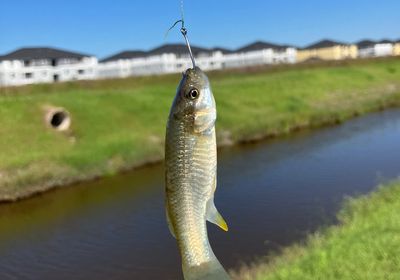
point(170, 226)
point(213, 216)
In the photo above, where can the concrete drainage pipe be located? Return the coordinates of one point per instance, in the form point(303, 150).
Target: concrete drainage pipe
point(58, 118)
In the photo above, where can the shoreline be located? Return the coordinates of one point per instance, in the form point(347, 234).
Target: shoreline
point(362, 238)
point(35, 190)
point(119, 125)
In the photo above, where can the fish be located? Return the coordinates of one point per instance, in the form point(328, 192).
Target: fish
point(190, 176)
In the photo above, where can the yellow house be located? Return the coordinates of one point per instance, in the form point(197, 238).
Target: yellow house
point(327, 50)
point(396, 47)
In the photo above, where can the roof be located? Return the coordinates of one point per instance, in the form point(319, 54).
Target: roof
point(260, 45)
point(125, 55)
point(41, 53)
point(385, 41)
point(365, 43)
point(370, 43)
point(326, 43)
point(223, 50)
point(177, 49)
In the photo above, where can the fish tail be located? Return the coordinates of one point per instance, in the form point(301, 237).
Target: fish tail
point(212, 270)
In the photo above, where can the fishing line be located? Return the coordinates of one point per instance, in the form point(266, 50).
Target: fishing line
point(184, 33)
point(182, 12)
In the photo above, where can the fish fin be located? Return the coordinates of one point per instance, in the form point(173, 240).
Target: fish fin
point(212, 270)
point(171, 228)
point(213, 216)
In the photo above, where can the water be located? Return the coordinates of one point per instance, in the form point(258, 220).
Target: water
point(272, 194)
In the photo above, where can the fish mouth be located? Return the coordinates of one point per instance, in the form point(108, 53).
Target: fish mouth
point(193, 70)
point(197, 77)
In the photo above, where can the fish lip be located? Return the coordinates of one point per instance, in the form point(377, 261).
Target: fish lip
point(196, 74)
point(195, 69)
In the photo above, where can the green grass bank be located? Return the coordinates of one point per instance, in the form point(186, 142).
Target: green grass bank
point(364, 246)
point(120, 124)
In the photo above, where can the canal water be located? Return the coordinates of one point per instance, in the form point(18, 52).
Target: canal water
point(271, 194)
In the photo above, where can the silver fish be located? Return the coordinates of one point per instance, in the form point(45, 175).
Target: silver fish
point(191, 165)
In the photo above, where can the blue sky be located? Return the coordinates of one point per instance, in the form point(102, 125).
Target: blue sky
point(106, 27)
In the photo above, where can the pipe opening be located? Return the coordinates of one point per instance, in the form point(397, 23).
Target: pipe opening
point(58, 118)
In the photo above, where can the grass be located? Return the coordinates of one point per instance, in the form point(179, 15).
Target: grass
point(365, 245)
point(120, 124)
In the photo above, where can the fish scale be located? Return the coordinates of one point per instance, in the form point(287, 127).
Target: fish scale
point(191, 188)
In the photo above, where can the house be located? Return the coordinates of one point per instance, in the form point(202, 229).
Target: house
point(174, 58)
point(45, 65)
point(120, 64)
point(259, 53)
point(396, 47)
point(327, 50)
point(168, 58)
point(219, 57)
point(369, 48)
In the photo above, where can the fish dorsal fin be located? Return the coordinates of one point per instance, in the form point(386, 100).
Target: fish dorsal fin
point(170, 226)
point(213, 216)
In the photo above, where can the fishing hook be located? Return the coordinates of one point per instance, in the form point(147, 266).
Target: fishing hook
point(184, 33)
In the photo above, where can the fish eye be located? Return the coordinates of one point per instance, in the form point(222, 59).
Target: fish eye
point(193, 94)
